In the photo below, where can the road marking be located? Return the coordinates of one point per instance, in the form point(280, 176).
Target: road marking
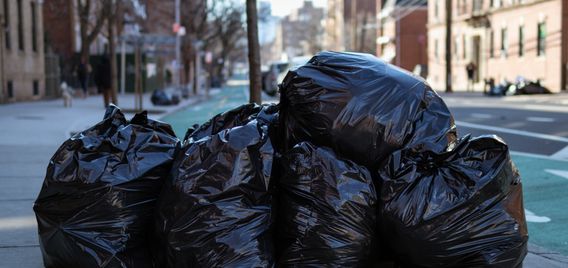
point(531, 217)
point(12, 223)
point(540, 119)
point(513, 131)
point(560, 173)
point(484, 116)
point(541, 156)
point(562, 154)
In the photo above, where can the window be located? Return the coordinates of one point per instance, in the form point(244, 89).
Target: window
point(521, 41)
point(34, 26)
point(477, 6)
point(464, 48)
point(436, 48)
point(541, 39)
point(10, 88)
point(436, 8)
point(504, 42)
point(7, 40)
point(36, 88)
point(492, 44)
point(455, 47)
point(20, 25)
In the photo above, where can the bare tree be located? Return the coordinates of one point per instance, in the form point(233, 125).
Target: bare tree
point(253, 53)
point(92, 17)
point(227, 28)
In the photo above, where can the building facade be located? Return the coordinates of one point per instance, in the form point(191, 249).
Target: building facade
point(302, 31)
point(402, 33)
point(22, 73)
point(504, 39)
point(351, 25)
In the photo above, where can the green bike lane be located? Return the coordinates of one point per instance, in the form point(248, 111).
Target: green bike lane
point(225, 99)
point(545, 194)
point(545, 189)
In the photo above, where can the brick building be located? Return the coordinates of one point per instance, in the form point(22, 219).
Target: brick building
point(350, 25)
point(503, 38)
point(302, 30)
point(402, 33)
point(22, 72)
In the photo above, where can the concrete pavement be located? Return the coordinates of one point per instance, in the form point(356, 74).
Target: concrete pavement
point(30, 134)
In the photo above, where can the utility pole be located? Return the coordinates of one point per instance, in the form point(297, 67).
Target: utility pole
point(449, 46)
point(3, 93)
point(253, 52)
point(178, 46)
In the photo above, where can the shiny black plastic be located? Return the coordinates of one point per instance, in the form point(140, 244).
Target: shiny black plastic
point(462, 208)
point(96, 206)
point(327, 210)
point(216, 210)
point(363, 108)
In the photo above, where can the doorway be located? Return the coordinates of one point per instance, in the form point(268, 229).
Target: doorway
point(476, 56)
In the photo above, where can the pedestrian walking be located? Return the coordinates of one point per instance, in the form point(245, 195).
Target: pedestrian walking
point(470, 69)
point(103, 79)
point(83, 70)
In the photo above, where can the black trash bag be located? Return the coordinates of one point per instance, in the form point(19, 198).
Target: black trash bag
point(327, 211)
point(216, 209)
point(96, 205)
point(363, 108)
point(460, 208)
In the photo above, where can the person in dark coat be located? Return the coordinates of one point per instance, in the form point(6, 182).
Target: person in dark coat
point(103, 79)
point(470, 69)
point(83, 70)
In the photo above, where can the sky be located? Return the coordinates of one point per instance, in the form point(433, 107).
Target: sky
point(283, 7)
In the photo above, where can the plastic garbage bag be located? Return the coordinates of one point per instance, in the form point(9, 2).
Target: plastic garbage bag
point(327, 211)
point(363, 108)
point(460, 208)
point(216, 210)
point(96, 205)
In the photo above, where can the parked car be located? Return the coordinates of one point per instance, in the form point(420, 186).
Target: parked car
point(271, 80)
point(162, 97)
point(278, 71)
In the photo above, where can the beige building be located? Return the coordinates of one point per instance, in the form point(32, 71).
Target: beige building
point(351, 25)
point(503, 38)
point(22, 59)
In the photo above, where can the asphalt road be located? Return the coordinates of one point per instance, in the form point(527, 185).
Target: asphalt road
point(528, 131)
point(537, 136)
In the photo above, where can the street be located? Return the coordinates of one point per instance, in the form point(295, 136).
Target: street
point(535, 130)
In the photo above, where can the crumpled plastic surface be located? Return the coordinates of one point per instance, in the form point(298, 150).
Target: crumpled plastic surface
point(216, 210)
point(96, 206)
point(363, 108)
point(327, 210)
point(460, 208)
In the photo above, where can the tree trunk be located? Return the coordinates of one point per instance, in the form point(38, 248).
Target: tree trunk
point(449, 46)
point(112, 56)
point(253, 52)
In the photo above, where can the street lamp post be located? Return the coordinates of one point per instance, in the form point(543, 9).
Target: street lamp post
point(178, 46)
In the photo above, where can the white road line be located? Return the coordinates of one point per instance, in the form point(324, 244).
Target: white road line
point(540, 119)
point(560, 173)
point(541, 156)
point(484, 116)
point(562, 154)
point(513, 131)
point(531, 217)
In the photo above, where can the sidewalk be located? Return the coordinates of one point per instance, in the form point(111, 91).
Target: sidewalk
point(557, 102)
point(31, 132)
